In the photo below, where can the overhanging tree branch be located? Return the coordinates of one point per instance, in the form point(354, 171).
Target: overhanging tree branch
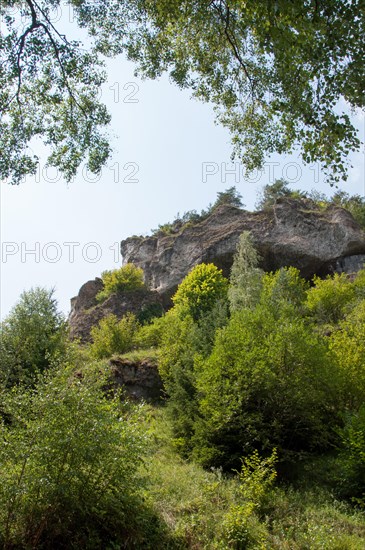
point(226, 18)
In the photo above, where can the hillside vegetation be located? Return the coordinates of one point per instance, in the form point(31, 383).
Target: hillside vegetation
point(258, 442)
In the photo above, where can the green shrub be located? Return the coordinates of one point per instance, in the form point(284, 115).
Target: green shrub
point(113, 336)
point(279, 189)
point(241, 526)
point(269, 382)
point(200, 290)
point(327, 301)
point(352, 457)
point(359, 284)
point(125, 279)
point(230, 197)
point(68, 469)
point(150, 335)
point(182, 340)
point(176, 361)
point(204, 330)
point(31, 336)
point(284, 289)
point(149, 312)
point(348, 346)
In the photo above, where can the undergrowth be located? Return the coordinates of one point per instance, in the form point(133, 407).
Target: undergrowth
point(198, 505)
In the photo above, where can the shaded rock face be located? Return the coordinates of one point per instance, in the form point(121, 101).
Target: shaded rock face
point(349, 264)
point(86, 312)
point(140, 379)
point(292, 233)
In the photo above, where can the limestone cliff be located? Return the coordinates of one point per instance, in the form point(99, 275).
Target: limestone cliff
point(292, 233)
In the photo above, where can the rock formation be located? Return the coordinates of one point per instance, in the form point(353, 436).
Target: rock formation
point(139, 379)
point(292, 233)
point(87, 312)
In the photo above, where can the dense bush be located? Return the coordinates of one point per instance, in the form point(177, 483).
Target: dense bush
point(348, 345)
point(272, 192)
point(113, 336)
point(149, 312)
point(31, 336)
point(269, 382)
point(176, 361)
point(328, 299)
point(242, 529)
point(200, 309)
point(69, 468)
point(284, 289)
point(265, 380)
point(200, 290)
point(150, 335)
point(352, 457)
point(125, 279)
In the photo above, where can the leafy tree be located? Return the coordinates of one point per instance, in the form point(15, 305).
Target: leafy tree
point(183, 339)
point(69, 468)
point(33, 334)
point(49, 90)
point(246, 277)
point(283, 290)
point(348, 345)
point(200, 290)
point(230, 196)
point(329, 298)
point(268, 383)
point(113, 336)
point(276, 73)
point(125, 279)
point(271, 193)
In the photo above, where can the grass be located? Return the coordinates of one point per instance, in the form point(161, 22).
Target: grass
point(194, 504)
point(308, 519)
point(149, 355)
point(190, 500)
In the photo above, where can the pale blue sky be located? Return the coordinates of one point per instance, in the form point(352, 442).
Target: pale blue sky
point(164, 135)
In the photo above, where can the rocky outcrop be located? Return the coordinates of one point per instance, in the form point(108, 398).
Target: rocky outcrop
point(87, 312)
point(139, 379)
point(292, 233)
